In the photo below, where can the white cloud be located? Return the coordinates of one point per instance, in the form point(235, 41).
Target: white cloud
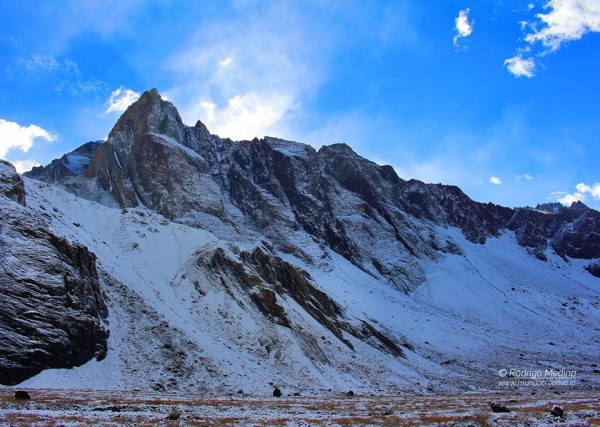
point(520, 67)
point(462, 26)
point(569, 199)
point(245, 116)
point(580, 195)
point(567, 20)
point(495, 180)
point(24, 165)
point(225, 62)
point(524, 176)
point(15, 136)
point(246, 78)
point(593, 189)
point(120, 99)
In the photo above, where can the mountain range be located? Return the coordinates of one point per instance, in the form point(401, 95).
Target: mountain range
point(169, 258)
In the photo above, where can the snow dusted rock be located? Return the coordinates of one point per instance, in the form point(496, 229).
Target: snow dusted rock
point(266, 278)
point(51, 308)
point(11, 185)
point(70, 165)
point(594, 268)
point(570, 231)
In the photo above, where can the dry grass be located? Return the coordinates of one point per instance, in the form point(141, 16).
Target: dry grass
point(54, 407)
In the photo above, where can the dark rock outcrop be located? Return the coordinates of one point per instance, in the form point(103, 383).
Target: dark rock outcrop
point(594, 268)
point(22, 395)
point(557, 411)
point(51, 309)
point(266, 278)
point(499, 408)
point(11, 185)
point(571, 231)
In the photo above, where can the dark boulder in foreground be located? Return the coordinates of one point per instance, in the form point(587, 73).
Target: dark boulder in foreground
point(22, 395)
point(51, 308)
point(557, 411)
point(498, 408)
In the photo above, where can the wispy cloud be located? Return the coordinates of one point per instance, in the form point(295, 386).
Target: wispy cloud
point(254, 72)
point(44, 62)
point(524, 176)
point(463, 27)
point(245, 116)
point(244, 77)
point(566, 20)
point(580, 194)
point(65, 73)
point(13, 136)
point(520, 67)
point(68, 19)
point(120, 99)
point(495, 180)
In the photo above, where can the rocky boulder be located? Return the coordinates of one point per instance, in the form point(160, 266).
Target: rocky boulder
point(11, 185)
point(52, 314)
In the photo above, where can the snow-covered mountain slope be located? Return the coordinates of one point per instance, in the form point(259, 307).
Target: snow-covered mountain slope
point(245, 265)
point(182, 318)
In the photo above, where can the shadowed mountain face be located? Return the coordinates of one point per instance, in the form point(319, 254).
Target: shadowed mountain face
point(272, 188)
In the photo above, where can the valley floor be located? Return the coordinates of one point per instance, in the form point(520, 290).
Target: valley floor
point(79, 408)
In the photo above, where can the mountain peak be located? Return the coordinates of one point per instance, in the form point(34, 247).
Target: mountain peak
point(152, 92)
point(579, 205)
point(338, 148)
point(150, 113)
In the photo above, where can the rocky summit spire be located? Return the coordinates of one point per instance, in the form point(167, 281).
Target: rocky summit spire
point(149, 114)
point(144, 159)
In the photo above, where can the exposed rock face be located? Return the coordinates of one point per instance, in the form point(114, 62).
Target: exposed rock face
point(51, 307)
point(70, 165)
point(363, 211)
point(594, 268)
point(267, 279)
point(573, 231)
point(11, 185)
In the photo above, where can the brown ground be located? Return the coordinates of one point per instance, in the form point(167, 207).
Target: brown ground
point(83, 408)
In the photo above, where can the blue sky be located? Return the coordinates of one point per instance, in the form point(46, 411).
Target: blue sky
point(498, 97)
